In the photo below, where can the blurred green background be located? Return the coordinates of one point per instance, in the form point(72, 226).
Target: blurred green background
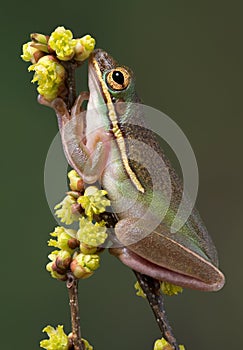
point(187, 56)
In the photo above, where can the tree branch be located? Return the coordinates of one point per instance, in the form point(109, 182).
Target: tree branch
point(151, 288)
point(72, 286)
point(70, 67)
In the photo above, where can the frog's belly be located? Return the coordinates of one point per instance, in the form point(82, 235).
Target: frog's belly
point(126, 199)
point(121, 191)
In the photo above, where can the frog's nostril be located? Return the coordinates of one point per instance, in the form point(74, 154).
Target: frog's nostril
point(104, 60)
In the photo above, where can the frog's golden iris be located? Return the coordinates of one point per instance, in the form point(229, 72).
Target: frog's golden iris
point(118, 79)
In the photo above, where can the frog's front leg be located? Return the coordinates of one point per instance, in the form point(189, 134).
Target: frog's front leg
point(89, 162)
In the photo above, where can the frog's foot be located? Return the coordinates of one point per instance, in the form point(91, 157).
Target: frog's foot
point(158, 255)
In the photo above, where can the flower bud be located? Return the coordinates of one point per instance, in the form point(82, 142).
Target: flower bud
point(76, 209)
point(83, 266)
point(41, 47)
point(63, 260)
point(87, 249)
point(51, 267)
point(55, 271)
point(39, 38)
point(84, 47)
point(30, 53)
point(73, 243)
point(76, 182)
point(162, 344)
point(140, 292)
point(55, 268)
point(170, 289)
point(62, 236)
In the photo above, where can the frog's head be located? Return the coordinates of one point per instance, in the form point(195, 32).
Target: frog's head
point(110, 81)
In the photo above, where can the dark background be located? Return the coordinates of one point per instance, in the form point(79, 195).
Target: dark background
point(187, 56)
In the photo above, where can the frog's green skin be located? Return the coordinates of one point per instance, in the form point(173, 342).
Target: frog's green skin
point(187, 258)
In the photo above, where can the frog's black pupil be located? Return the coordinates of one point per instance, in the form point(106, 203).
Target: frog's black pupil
point(118, 77)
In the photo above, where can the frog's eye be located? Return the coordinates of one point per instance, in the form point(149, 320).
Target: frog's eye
point(118, 79)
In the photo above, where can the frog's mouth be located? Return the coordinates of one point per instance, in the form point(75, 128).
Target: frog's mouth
point(139, 264)
point(99, 62)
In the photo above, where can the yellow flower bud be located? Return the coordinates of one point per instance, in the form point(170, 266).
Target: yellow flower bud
point(87, 249)
point(59, 264)
point(83, 266)
point(170, 289)
point(76, 183)
point(30, 53)
point(84, 47)
point(140, 292)
point(39, 38)
point(162, 344)
point(73, 243)
point(62, 236)
point(63, 259)
point(51, 267)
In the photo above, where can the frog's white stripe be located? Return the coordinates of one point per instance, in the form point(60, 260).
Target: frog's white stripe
point(116, 130)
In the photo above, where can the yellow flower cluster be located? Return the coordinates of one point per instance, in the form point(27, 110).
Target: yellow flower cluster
point(78, 248)
point(91, 234)
point(61, 41)
point(50, 76)
point(47, 53)
point(94, 201)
